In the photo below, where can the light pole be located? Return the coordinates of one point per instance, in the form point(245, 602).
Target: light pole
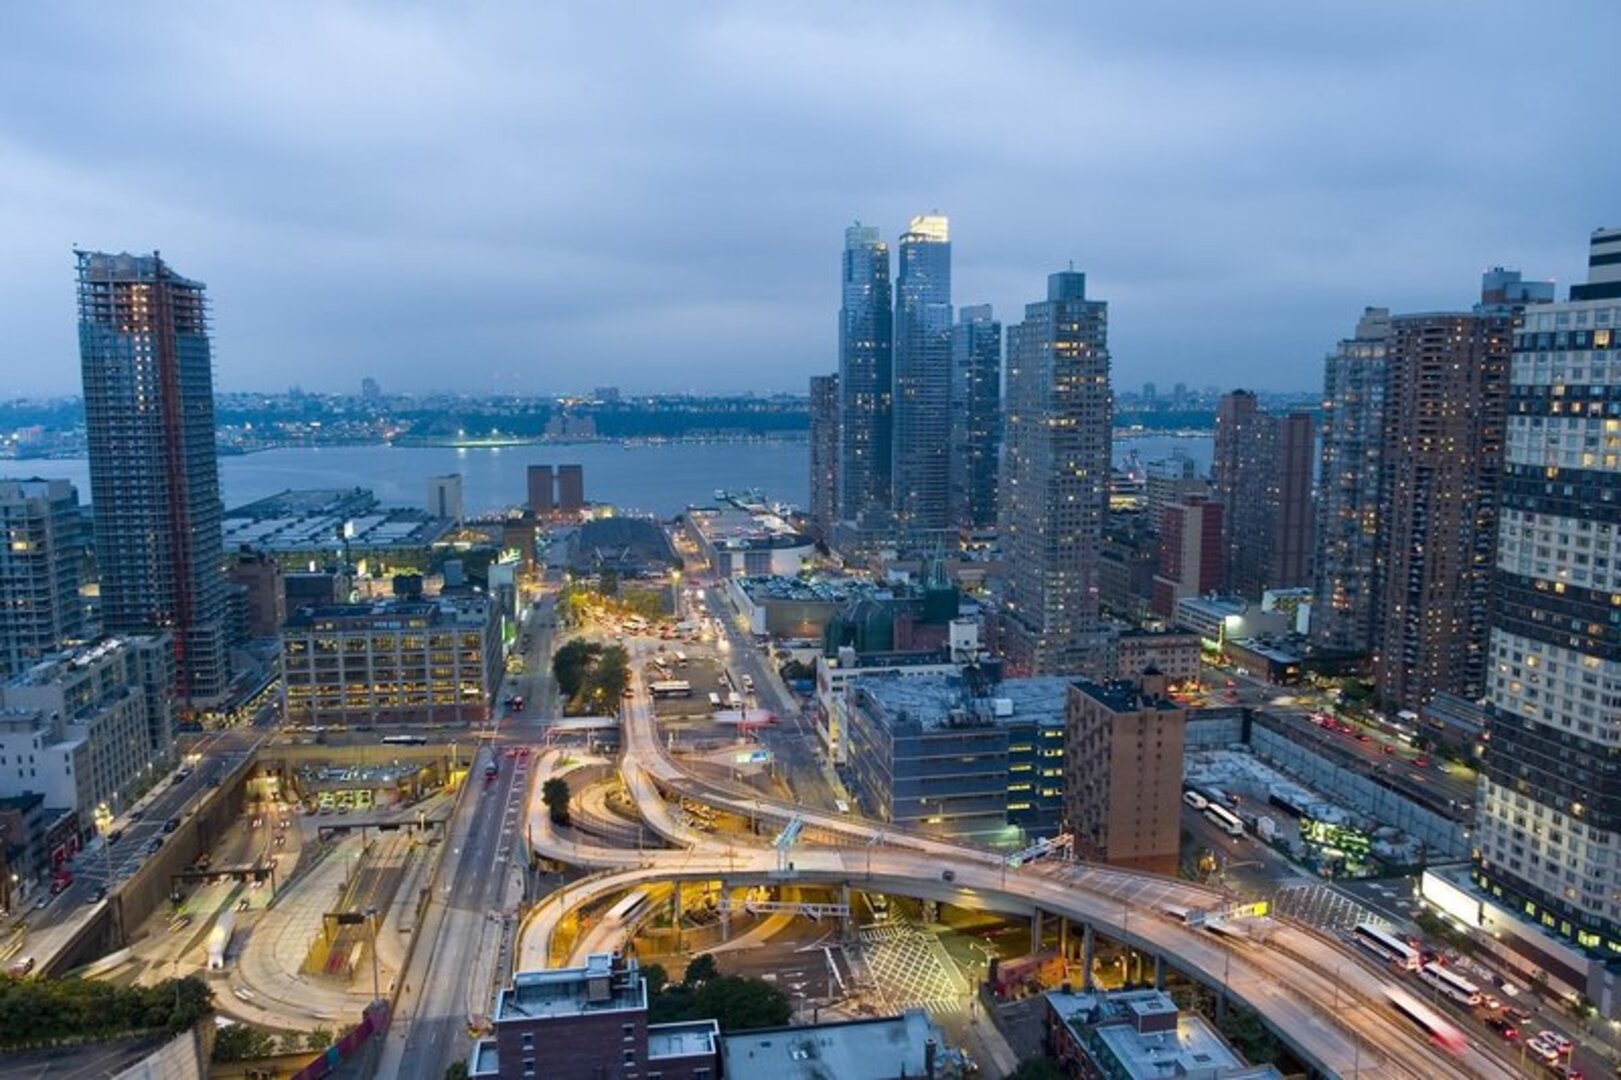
point(371, 918)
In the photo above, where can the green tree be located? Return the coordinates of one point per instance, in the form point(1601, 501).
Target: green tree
point(319, 1038)
point(607, 680)
point(456, 1071)
point(700, 970)
point(239, 1042)
point(554, 794)
point(738, 1003)
point(572, 663)
point(657, 979)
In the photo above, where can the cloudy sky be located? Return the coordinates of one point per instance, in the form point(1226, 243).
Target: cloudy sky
point(550, 197)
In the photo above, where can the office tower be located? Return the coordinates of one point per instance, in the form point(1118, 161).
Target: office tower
point(922, 407)
point(1150, 397)
point(824, 455)
point(1123, 772)
point(976, 416)
point(1190, 553)
point(445, 496)
point(1347, 533)
point(1170, 480)
point(1549, 813)
point(154, 476)
point(370, 390)
point(541, 500)
point(1446, 382)
point(1261, 475)
point(39, 570)
point(571, 488)
point(1054, 492)
point(866, 371)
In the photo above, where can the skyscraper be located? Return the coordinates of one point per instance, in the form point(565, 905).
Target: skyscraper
point(1055, 476)
point(824, 455)
point(866, 371)
point(154, 477)
point(976, 416)
point(1261, 475)
point(1190, 552)
point(1550, 794)
point(1344, 601)
point(1446, 382)
point(922, 432)
point(39, 570)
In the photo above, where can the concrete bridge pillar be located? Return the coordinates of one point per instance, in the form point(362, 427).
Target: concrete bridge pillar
point(725, 912)
point(846, 923)
point(675, 914)
point(1159, 972)
point(1035, 931)
point(1088, 944)
point(1063, 938)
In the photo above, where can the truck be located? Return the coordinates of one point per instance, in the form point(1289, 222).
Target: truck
point(219, 939)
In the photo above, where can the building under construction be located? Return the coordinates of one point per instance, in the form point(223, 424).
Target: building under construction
point(154, 479)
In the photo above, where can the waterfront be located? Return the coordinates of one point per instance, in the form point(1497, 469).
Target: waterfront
point(637, 477)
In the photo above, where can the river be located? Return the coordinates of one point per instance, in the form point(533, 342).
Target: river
point(660, 477)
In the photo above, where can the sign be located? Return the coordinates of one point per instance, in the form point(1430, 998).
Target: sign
point(1257, 910)
point(752, 757)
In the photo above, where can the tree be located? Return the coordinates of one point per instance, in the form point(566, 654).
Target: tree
point(608, 679)
point(456, 1071)
point(738, 1003)
point(319, 1039)
point(554, 794)
point(700, 970)
point(239, 1042)
point(572, 663)
point(657, 979)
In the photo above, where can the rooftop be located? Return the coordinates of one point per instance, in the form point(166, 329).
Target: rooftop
point(461, 610)
point(879, 1049)
point(739, 522)
point(1123, 696)
point(604, 984)
point(942, 701)
point(811, 590)
point(1112, 1025)
point(691, 1038)
point(324, 520)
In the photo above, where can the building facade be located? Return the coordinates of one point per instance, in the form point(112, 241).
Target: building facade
point(1261, 475)
point(1054, 492)
point(1550, 794)
point(405, 661)
point(1446, 386)
point(445, 497)
point(1170, 480)
point(866, 373)
point(824, 455)
point(976, 416)
point(85, 727)
point(1123, 772)
point(154, 477)
point(541, 490)
point(1191, 553)
point(40, 549)
point(922, 401)
point(1347, 532)
point(571, 488)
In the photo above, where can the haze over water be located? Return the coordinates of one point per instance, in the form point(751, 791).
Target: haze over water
point(661, 478)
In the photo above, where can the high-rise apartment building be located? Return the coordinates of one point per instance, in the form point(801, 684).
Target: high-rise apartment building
point(1170, 480)
point(824, 455)
point(542, 497)
point(1441, 455)
point(154, 475)
point(976, 416)
point(1054, 492)
point(1550, 795)
point(922, 404)
point(1190, 553)
point(1261, 475)
point(866, 373)
point(1123, 772)
point(40, 610)
point(571, 488)
point(1347, 533)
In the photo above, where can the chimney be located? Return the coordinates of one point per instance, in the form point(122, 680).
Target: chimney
point(928, 1058)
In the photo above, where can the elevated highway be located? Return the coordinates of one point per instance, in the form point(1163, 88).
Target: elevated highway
point(1321, 999)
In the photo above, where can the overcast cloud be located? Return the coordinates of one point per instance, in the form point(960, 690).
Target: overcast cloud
point(549, 198)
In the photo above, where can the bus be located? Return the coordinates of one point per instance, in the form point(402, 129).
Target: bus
point(1224, 819)
point(1441, 1033)
point(714, 700)
point(631, 909)
point(405, 740)
point(1453, 986)
point(1387, 946)
point(1195, 800)
point(668, 688)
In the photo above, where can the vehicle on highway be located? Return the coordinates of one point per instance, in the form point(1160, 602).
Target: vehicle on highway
point(1195, 800)
point(180, 923)
point(171, 825)
point(1224, 819)
point(670, 688)
point(517, 703)
point(1504, 1027)
point(1440, 1030)
point(97, 897)
point(491, 768)
point(1454, 986)
point(1558, 1040)
point(1543, 1049)
point(21, 967)
point(1386, 945)
point(404, 740)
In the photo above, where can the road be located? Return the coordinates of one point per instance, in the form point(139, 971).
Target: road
point(1321, 997)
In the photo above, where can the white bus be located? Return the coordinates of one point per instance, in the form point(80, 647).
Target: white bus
point(1195, 800)
point(1387, 946)
point(1224, 819)
point(630, 910)
point(1453, 986)
point(668, 688)
point(714, 700)
point(405, 740)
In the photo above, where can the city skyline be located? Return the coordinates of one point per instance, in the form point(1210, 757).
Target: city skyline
point(1234, 209)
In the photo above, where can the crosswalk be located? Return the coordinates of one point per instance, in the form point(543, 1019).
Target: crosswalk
point(910, 969)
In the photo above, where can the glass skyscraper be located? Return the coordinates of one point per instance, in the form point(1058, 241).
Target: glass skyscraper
point(865, 374)
point(154, 479)
point(923, 375)
point(976, 415)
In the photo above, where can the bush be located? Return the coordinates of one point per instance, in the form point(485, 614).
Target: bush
point(38, 1013)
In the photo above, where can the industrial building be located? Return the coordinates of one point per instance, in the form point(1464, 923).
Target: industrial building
point(743, 536)
point(312, 529)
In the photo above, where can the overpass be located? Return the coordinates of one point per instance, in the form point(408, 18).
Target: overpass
point(1321, 999)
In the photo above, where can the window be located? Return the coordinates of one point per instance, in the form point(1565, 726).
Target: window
point(529, 1066)
point(528, 1040)
point(630, 1057)
point(628, 1031)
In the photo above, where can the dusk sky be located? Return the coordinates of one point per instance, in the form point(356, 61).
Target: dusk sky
point(554, 197)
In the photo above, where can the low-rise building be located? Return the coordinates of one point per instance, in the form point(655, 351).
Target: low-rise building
point(743, 536)
point(1218, 619)
point(964, 754)
point(1175, 654)
point(304, 530)
point(402, 661)
point(1123, 776)
point(87, 726)
point(882, 1048)
point(1140, 1035)
point(796, 607)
